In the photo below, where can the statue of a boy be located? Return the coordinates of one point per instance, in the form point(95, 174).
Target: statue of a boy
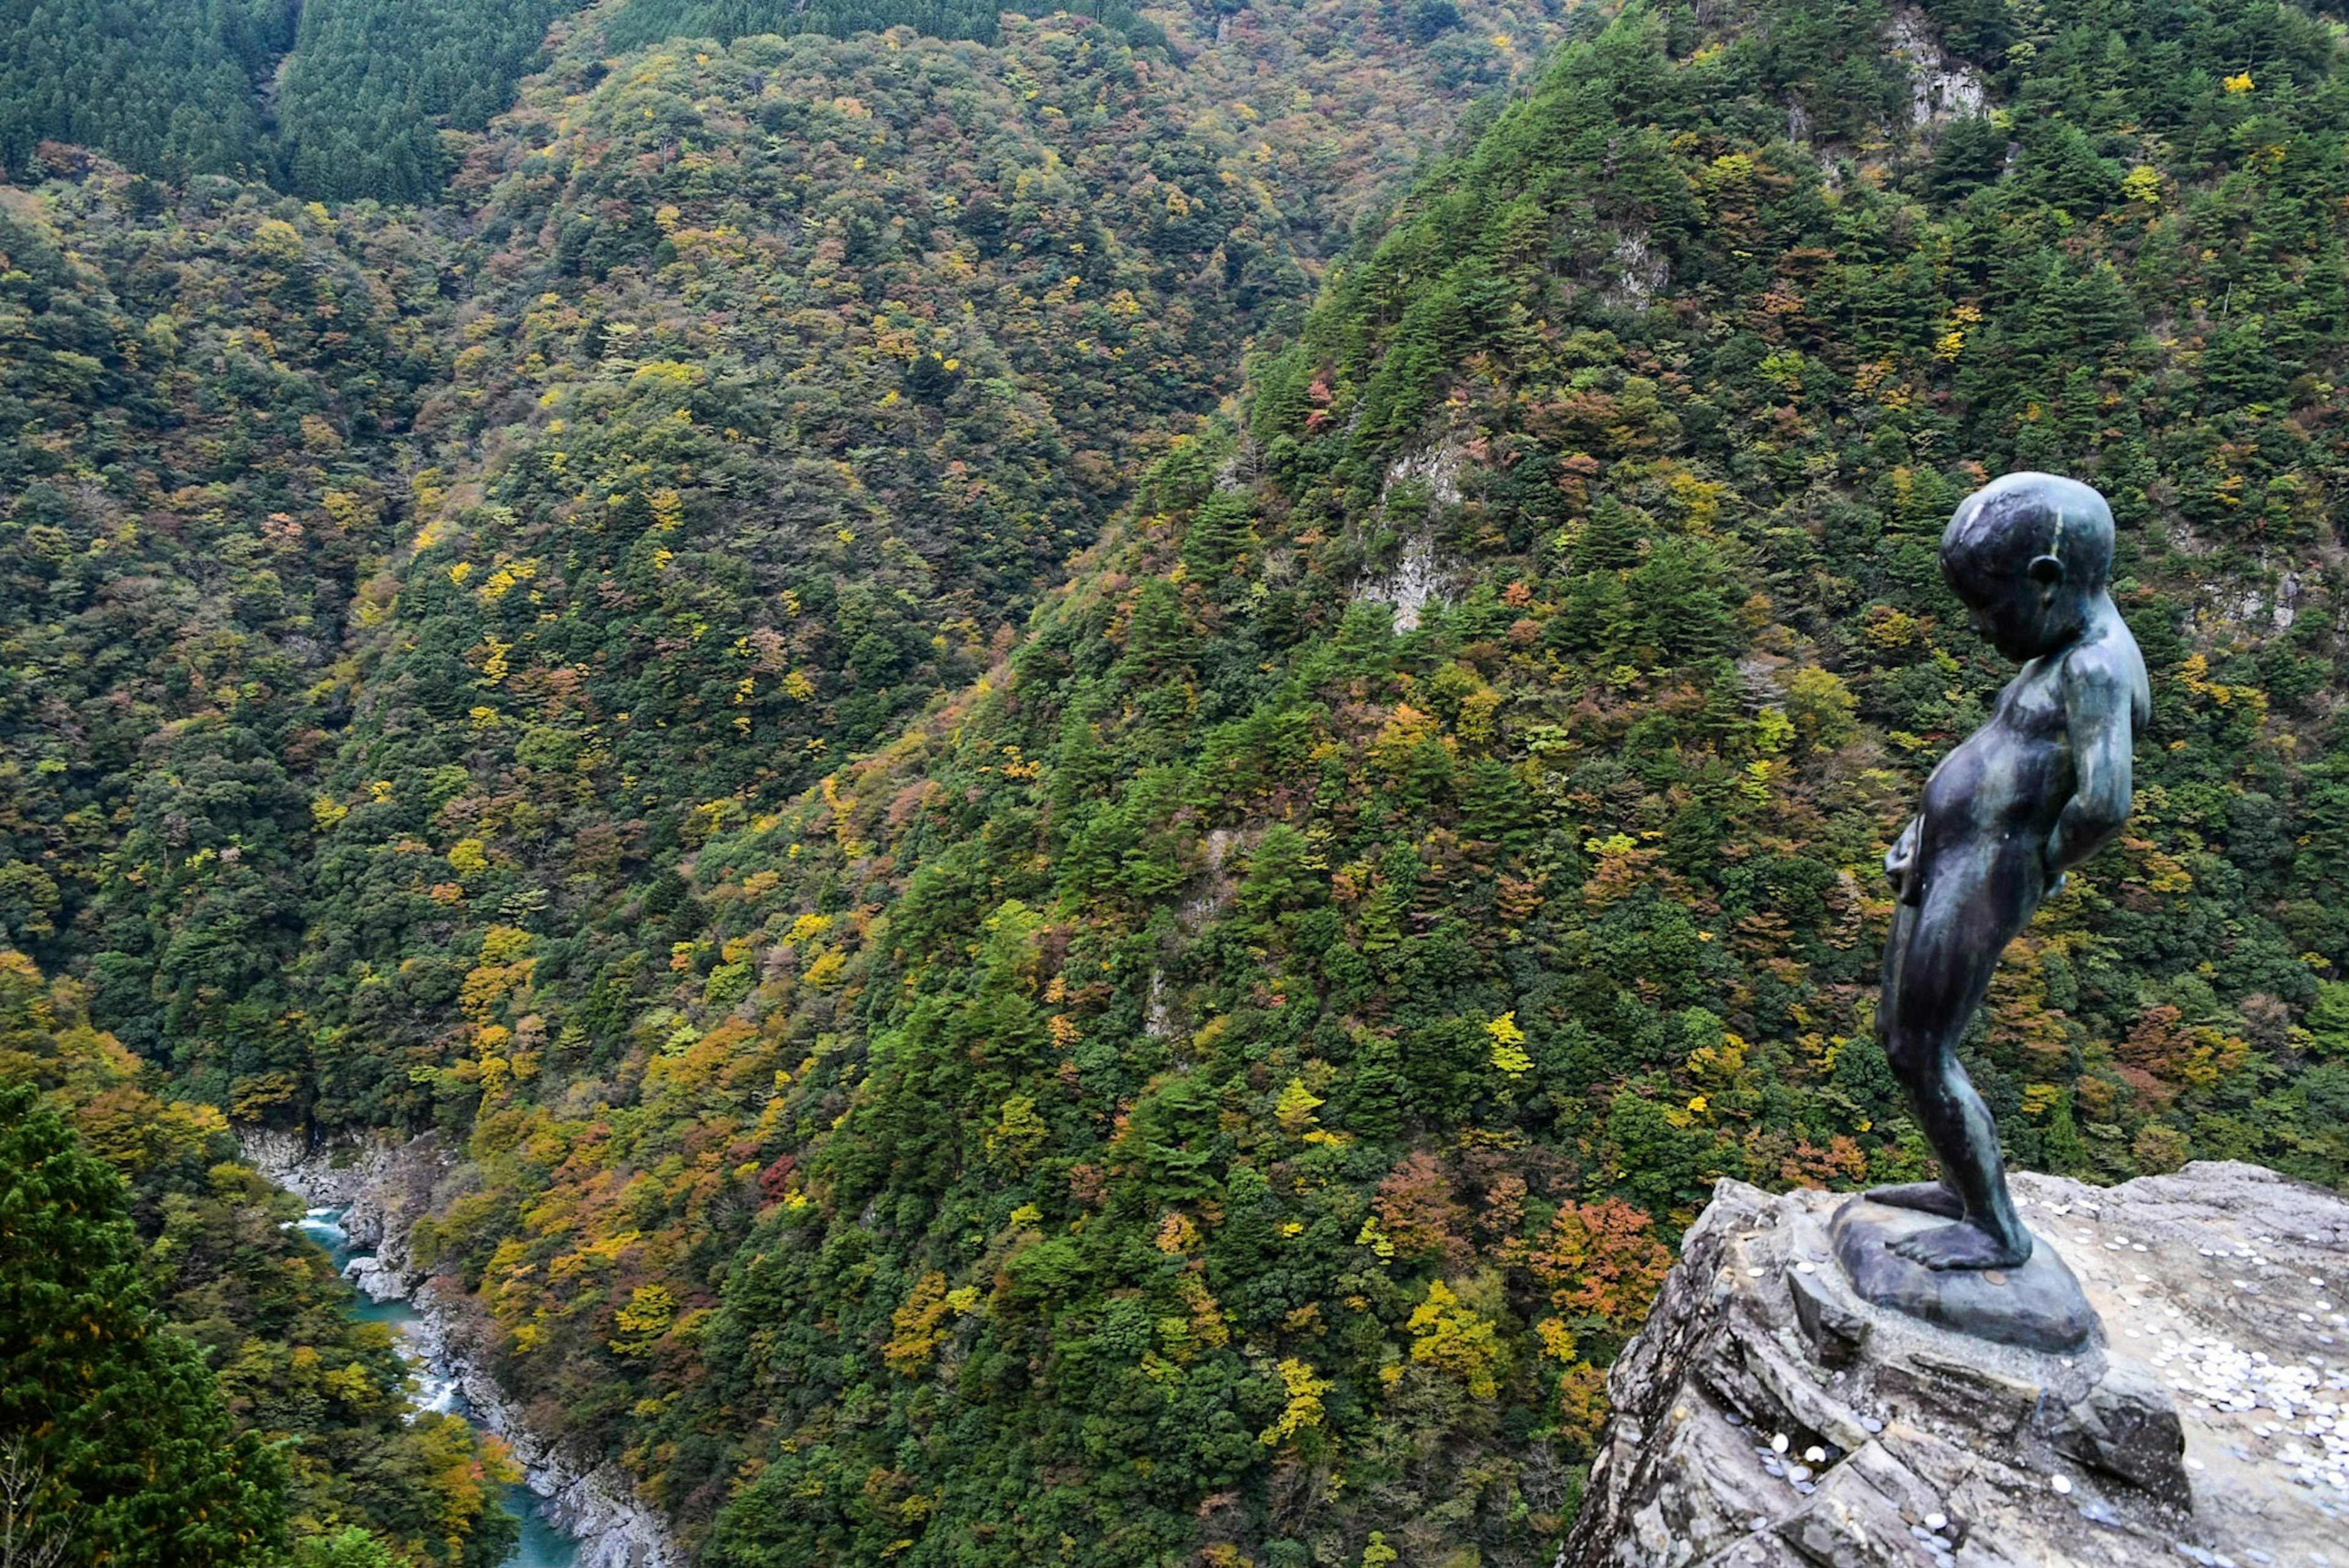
point(2038, 789)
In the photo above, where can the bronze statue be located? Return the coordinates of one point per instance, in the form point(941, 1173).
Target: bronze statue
point(2035, 791)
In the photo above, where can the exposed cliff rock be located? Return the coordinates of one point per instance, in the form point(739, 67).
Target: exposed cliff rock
point(383, 1189)
point(593, 1505)
point(1941, 87)
point(1764, 1416)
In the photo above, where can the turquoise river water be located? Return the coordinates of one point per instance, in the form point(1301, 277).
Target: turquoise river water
point(541, 1545)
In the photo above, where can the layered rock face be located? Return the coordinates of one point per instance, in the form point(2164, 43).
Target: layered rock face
point(382, 1188)
point(1766, 1416)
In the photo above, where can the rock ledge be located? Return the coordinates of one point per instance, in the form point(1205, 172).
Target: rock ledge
point(1767, 1417)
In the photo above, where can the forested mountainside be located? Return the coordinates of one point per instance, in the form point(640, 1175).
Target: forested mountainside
point(181, 1384)
point(198, 414)
point(653, 21)
point(762, 392)
point(1220, 1075)
point(347, 100)
point(338, 98)
point(1223, 1085)
point(836, 349)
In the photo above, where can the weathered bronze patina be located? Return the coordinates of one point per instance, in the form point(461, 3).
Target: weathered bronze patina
point(2039, 788)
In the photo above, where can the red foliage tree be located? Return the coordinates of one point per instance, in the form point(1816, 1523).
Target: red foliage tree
point(1418, 1211)
point(1602, 1261)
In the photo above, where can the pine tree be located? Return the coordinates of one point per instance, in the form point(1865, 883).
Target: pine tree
point(114, 1420)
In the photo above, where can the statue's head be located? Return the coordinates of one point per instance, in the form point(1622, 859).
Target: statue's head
point(2028, 553)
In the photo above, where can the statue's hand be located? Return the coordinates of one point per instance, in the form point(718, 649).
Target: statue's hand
point(2051, 864)
point(1900, 862)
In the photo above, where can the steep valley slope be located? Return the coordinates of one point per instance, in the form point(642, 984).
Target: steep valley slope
point(1219, 1075)
point(233, 422)
point(1224, 1083)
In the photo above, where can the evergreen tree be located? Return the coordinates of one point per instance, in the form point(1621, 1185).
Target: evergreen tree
point(110, 1419)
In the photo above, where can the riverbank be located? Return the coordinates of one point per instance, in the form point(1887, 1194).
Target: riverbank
point(377, 1190)
point(541, 1545)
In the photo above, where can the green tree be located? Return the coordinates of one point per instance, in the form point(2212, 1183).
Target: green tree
point(115, 1417)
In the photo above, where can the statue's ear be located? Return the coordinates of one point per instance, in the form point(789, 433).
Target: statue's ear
point(2046, 571)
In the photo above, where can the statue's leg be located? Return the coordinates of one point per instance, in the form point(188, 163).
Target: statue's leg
point(1966, 917)
point(1926, 1197)
point(1930, 1196)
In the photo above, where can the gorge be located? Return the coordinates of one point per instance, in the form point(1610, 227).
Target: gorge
point(363, 1198)
point(1055, 789)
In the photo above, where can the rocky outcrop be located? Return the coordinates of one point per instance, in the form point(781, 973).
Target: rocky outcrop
point(383, 1189)
point(1766, 1416)
point(592, 1505)
point(1942, 88)
point(1419, 577)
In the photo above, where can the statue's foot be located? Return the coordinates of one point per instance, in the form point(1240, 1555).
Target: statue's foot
point(1930, 1196)
point(1964, 1245)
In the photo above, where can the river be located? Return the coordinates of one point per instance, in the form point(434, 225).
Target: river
point(541, 1545)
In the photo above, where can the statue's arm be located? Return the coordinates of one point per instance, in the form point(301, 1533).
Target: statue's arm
point(1900, 862)
point(2098, 711)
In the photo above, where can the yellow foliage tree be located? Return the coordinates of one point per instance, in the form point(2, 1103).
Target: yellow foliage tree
point(1294, 1110)
point(1509, 1045)
point(918, 1326)
point(644, 1318)
point(1456, 1340)
point(1305, 1388)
